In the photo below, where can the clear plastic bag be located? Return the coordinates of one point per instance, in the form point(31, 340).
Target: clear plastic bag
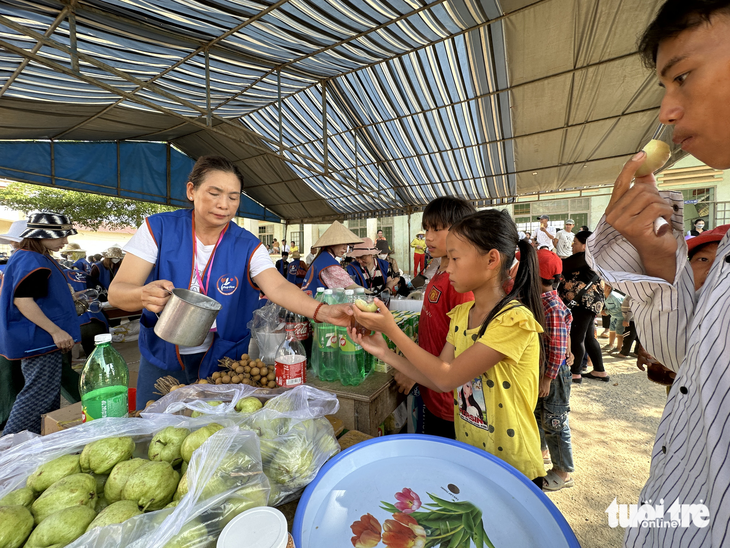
point(224, 478)
point(296, 438)
point(268, 330)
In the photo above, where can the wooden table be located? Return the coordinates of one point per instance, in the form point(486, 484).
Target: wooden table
point(364, 407)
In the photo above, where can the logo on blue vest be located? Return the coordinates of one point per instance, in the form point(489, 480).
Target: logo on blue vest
point(76, 276)
point(227, 285)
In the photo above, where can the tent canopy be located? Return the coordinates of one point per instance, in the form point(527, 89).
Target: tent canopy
point(338, 108)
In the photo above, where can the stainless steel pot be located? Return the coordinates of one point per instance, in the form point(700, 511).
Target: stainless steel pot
point(187, 318)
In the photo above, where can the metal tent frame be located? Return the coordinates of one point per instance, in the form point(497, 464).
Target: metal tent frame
point(341, 108)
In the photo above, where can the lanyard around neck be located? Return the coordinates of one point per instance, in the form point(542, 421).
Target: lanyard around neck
point(209, 266)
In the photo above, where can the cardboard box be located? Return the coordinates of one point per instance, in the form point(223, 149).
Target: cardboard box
point(65, 417)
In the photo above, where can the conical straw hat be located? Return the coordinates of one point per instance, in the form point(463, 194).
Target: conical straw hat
point(337, 234)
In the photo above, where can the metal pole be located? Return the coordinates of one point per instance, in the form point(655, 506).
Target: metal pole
point(324, 128)
point(168, 175)
point(281, 131)
point(72, 38)
point(209, 115)
point(53, 165)
point(408, 242)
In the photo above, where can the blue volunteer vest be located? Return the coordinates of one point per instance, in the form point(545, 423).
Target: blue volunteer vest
point(291, 274)
point(358, 274)
point(230, 285)
point(105, 275)
point(313, 281)
point(18, 333)
point(78, 280)
point(83, 264)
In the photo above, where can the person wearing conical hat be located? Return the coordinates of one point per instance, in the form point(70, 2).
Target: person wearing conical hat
point(325, 270)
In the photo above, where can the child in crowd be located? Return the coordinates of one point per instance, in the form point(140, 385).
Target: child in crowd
point(629, 330)
point(553, 404)
point(612, 307)
point(439, 298)
point(491, 359)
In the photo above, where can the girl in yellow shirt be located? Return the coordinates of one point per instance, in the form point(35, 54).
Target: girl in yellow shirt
point(491, 360)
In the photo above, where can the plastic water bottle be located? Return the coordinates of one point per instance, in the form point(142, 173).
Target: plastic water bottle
point(104, 382)
point(328, 343)
point(369, 358)
point(290, 359)
point(352, 356)
point(313, 364)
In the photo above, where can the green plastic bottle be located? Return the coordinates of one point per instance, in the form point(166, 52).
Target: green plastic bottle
point(104, 382)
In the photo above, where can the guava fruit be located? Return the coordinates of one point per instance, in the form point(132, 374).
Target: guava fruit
point(365, 306)
point(152, 485)
point(61, 528)
point(118, 478)
point(20, 497)
point(657, 154)
point(249, 405)
point(49, 473)
point(73, 490)
point(214, 403)
point(16, 523)
point(115, 513)
point(166, 445)
point(196, 439)
point(102, 455)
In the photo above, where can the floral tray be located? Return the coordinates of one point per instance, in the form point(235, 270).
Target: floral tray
point(414, 491)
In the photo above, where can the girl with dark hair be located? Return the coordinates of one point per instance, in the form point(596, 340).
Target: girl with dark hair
point(492, 352)
point(38, 320)
point(203, 250)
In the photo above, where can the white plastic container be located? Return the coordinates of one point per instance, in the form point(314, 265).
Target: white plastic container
point(262, 527)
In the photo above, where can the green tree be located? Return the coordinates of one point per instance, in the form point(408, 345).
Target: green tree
point(89, 210)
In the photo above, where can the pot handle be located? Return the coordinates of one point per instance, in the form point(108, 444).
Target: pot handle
point(158, 315)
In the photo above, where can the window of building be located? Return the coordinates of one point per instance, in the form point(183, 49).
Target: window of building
point(296, 233)
point(698, 205)
point(386, 225)
point(266, 233)
point(521, 209)
point(358, 226)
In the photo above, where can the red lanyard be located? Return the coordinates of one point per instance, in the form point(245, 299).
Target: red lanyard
point(209, 266)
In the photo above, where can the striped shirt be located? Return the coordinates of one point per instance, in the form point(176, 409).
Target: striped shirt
point(688, 333)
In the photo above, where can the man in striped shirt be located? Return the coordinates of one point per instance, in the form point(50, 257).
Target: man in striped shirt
point(687, 331)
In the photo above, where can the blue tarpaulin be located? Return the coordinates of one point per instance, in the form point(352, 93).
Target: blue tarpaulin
point(136, 170)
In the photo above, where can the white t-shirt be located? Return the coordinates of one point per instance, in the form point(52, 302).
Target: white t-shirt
point(143, 245)
point(545, 239)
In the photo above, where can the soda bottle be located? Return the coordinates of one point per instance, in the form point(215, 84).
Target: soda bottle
point(369, 358)
point(352, 356)
point(328, 343)
point(104, 382)
point(313, 364)
point(290, 359)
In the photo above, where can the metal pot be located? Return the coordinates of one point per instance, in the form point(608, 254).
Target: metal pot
point(187, 318)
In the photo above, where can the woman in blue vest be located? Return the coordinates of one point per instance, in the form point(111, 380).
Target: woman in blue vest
point(103, 272)
point(201, 249)
point(297, 269)
point(325, 271)
point(37, 318)
point(367, 270)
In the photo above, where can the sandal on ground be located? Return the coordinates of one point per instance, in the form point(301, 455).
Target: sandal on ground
point(608, 348)
point(595, 377)
point(577, 380)
point(553, 482)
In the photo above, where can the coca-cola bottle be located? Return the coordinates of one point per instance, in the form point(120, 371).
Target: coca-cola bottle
point(301, 327)
point(290, 359)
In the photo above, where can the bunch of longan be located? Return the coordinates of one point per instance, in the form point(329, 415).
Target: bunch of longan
point(245, 371)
